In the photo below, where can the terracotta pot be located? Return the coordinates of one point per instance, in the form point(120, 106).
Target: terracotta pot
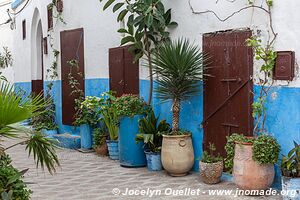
point(177, 154)
point(211, 172)
point(249, 174)
point(102, 150)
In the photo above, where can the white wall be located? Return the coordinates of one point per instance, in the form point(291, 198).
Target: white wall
point(100, 29)
point(99, 35)
point(6, 36)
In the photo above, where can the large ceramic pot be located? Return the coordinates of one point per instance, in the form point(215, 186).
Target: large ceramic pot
point(211, 172)
point(249, 174)
point(290, 188)
point(153, 161)
point(177, 154)
point(113, 149)
point(131, 153)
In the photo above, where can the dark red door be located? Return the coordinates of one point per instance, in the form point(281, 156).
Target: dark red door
point(37, 86)
point(72, 48)
point(123, 71)
point(228, 92)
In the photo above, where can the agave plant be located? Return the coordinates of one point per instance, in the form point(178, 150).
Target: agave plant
point(151, 130)
point(15, 108)
point(180, 69)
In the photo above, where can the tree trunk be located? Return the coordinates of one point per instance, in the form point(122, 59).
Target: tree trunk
point(175, 115)
point(151, 80)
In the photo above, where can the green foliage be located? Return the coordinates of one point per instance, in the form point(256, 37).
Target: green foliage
point(15, 108)
point(150, 131)
point(130, 105)
point(109, 114)
point(265, 149)
point(88, 111)
point(180, 68)
point(46, 120)
point(73, 80)
point(210, 157)
point(100, 136)
point(146, 26)
point(11, 185)
point(229, 147)
point(290, 165)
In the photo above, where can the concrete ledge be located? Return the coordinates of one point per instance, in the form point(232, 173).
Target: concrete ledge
point(68, 141)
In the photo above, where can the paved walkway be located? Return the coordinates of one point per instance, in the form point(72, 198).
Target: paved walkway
point(89, 177)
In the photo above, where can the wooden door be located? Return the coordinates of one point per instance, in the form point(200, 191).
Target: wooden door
point(228, 93)
point(37, 86)
point(72, 48)
point(123, 71)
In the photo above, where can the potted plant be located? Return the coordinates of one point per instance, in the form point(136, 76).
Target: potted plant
point(87, 117)
point(290, 168)
point(109, 117)
point(100, 136)
point(45, 121)
point(251, 160)
point(211, 166)
point(150, 132)
point(130, 109)
point(179, 67)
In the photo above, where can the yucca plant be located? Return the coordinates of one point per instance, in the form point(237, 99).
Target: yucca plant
point(15, 108)
point(180, 67)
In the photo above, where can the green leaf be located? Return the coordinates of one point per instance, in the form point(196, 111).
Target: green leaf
point(117, 6)
point(122, 30)
point(149, 20)
point(173, 25)
point(127, 39)
point(121, 15)
point(108, 3)
point(167, 16)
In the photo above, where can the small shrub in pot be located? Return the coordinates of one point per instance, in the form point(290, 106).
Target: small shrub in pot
point(150, 132)
point(211, 166)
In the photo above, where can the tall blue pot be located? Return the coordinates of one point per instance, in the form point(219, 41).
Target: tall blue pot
point(86, 136)
point(131, 153)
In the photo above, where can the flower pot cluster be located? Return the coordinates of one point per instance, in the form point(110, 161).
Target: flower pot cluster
point(128, 127)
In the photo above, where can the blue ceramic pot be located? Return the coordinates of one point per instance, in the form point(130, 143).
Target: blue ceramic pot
point(113, 149)
point(49, 133)
point(86, 136)
point(131, 153)
point(153, 161)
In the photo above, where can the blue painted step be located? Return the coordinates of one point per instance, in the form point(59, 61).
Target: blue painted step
point(68, 141)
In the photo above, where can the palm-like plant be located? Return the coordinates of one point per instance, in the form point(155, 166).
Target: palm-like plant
point(14, 109)
point(180, 69)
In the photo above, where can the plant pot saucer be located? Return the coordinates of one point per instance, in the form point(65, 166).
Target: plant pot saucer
point(82, 150)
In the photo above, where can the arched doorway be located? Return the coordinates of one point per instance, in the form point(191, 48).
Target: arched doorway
point(37, 76)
